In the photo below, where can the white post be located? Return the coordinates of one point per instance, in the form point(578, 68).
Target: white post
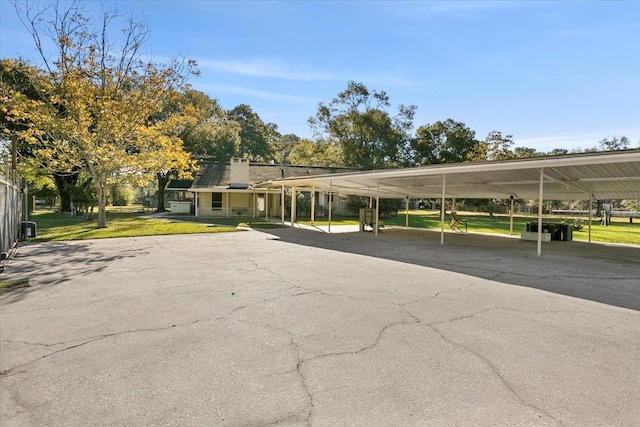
point(511, 218)
point(330, 197)
point(282, 204)
point(255, 204)
point(406, 209)
point(266, 204)
point(590, 207)
point(377, 208)
point(313, 205)
point(226, 204)
point(540, 201)
point(444, 182)
point(293, 205)
point(196, 201)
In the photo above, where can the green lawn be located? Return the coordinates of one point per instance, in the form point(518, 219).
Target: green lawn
point(619, 231)
point(121, 223)
point(129, 223)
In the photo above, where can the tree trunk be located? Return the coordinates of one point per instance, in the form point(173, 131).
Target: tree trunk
point(163, 179)
point(101, 189)
point(65, 183)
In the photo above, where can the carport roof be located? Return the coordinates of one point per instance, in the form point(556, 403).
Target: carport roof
point(604, 175)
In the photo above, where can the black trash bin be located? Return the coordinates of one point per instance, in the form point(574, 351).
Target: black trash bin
point(565, 232)
point(29, 230)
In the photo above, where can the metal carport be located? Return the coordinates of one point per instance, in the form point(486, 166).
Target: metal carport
point(597, 175)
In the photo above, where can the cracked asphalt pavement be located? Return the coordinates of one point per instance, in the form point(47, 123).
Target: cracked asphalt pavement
point(300, 328)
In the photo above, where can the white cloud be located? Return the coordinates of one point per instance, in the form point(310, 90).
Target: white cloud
point(582, 141)
point(276, 70)
point(263, 69)
point(216, 88)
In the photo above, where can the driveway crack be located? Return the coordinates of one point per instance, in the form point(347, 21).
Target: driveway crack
point(492, 367)
point(86, 341)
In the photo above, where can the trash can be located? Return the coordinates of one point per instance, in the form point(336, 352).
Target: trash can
point(29, 230)
point(565, 232)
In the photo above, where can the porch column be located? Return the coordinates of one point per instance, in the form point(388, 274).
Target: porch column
point(282, 204)
point(377, 208)
point(540, 201)
point(226, 204)
point(266, 205)
point(195, 198)
point(255, 204)
point(293, 205)
point(313, 204)
point(444, 182)
point(330, 197)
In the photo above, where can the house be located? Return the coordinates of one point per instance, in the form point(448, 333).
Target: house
point(228, 188)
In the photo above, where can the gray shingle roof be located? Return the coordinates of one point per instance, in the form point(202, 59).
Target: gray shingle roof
point(218, 174)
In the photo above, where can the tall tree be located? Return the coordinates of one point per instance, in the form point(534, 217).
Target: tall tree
point(615, 143)
point(101, 96)
point(172, 160)
point(282, 146)
point(24, 82)
point(213, 134)
point(256, 136)
point(357, 121)
point(444, 142)
point(499, 146)
point(318, 153)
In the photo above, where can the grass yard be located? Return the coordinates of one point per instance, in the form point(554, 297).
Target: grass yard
point(619, 231)
point(120, 222)
point(130, 222)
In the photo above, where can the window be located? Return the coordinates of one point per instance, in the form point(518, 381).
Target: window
point(216, 200)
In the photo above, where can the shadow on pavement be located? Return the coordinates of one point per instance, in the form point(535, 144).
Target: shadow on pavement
point(608, 274)
point(79, 259)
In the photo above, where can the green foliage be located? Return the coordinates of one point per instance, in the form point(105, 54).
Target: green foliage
point(256, 137)
point(388, 207)
point(615, 143)
point(445, 142)
point(121, 195)
point(96, 97)
point(318, 153)
point(359, 123)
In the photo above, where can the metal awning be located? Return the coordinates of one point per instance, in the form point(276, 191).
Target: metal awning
point(601, 175)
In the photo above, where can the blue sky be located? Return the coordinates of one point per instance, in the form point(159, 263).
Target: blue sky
point(559, 74)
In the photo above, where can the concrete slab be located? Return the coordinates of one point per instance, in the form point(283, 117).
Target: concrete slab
point(295, 327)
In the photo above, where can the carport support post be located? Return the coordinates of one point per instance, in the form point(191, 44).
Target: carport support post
point(590, 208)
point(540, 211)
point(444, 182)
point(511, 218)
point(406, 209)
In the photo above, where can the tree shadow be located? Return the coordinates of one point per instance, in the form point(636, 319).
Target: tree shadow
point(80, 258)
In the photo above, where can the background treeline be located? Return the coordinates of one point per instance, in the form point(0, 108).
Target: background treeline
point(96, 115)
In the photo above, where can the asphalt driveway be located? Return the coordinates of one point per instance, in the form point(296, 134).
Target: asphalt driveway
point(294, 327)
